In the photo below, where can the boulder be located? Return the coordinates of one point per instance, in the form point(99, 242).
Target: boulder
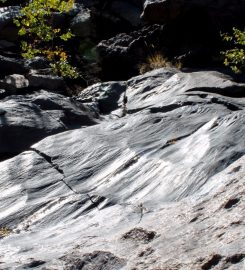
point(160, 188)
point(10, 66)
point(12, 84)
point(82, 24)
point(191, 29)
point(7, 14)
point(17, 80)
point(25, 120)
point(47, 82)
point(127, 49)
point(103, 96)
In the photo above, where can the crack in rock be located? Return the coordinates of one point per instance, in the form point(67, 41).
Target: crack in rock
point(59, 170)
point(49, 160)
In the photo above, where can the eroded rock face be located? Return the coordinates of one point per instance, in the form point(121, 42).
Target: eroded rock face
point(160, 188)
point(189, 34)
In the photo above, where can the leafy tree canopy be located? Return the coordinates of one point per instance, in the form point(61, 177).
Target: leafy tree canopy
point(235, 57)
point(42, 38)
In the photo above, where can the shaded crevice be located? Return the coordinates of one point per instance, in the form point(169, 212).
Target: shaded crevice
point(224, 163)
point(228, 105)
point(235, 91)
point(171, 107)
point(231, 203)
point(49, 160)
point(215, 259)
point(215, 100)
point(132, 111)
point(96, 201)
point(126, 165)
point(237, 258)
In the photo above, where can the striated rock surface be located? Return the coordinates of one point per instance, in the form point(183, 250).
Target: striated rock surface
point(161, 187)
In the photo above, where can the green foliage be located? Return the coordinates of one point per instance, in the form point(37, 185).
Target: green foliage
point(235, 57)
point(42, 38)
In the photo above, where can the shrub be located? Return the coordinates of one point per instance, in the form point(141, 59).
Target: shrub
point(235, 57)
point(42, 38)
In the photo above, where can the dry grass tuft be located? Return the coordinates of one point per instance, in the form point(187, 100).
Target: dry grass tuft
point(5, 232)
point(155, 61)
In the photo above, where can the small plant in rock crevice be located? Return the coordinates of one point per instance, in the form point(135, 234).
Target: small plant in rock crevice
point(4, 232)
point(157, 60)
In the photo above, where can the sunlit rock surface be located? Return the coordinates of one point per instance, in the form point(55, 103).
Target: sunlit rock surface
point(161, 187)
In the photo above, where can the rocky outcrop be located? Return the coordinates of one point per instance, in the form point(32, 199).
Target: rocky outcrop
point(127, 49)
point(222, 12)
point(25, 120)
point(20, 84)
point(90, 21)
point(161, 187)
point(190, 35)
point(125, 32)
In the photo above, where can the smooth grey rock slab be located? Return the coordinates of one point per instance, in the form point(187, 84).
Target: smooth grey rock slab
point(202, 230)
point(162, 187)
